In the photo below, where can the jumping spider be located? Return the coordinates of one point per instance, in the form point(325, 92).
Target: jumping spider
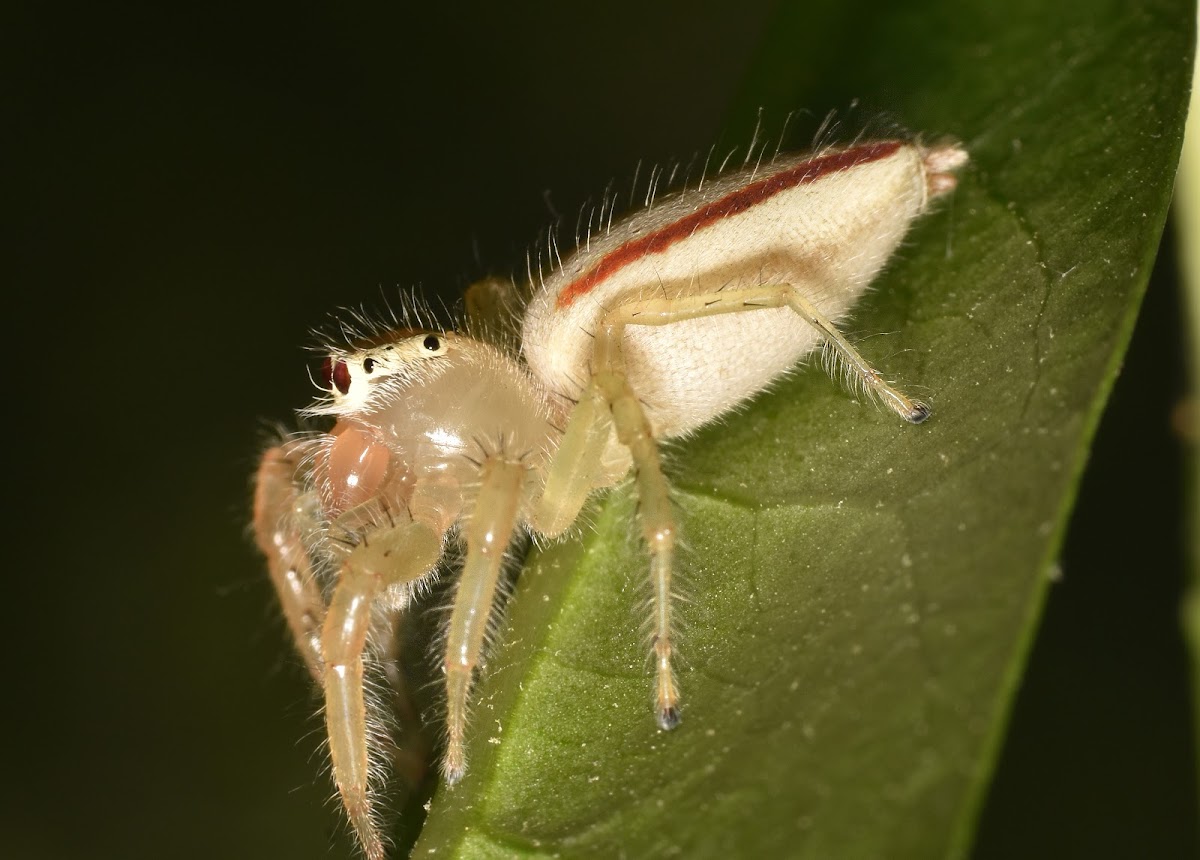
point(659, 324)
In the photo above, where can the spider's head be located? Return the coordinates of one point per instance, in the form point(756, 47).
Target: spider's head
point(363, 377)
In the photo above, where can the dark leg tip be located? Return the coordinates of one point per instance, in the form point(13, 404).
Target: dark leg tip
point(453, 773)
point(669, 718)
point(920, 412)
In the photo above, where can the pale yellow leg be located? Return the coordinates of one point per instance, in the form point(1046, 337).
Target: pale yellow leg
point(387, 556)
point(667, 311)
point(657, 518)
point(913, 411)
point(279, 538)
point(488, 532)
point(576, 469)
point(410, 751)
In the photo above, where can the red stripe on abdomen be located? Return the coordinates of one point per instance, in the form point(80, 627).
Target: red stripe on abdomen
point(731, 204)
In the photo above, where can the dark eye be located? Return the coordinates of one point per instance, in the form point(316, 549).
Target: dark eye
point(369, 365)
point(433, 343)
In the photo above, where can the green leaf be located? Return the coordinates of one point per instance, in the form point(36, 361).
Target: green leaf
point(861, 593)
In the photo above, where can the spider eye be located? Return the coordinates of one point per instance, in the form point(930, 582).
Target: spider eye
point(432, 343)
point(327, 373)
point(369, 365)
point(341, 377)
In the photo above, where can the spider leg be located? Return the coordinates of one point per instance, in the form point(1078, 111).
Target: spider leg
point(410, 753)
point(389, 555)
point(913, 411)
point(657, 518)
point(279, 537)
point(577, 466)
point(488, 533)
point(659, 312)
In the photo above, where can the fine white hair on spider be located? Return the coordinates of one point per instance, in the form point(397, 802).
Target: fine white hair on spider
point(445, 442)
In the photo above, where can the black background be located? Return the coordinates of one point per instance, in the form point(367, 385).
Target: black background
point(191, 191)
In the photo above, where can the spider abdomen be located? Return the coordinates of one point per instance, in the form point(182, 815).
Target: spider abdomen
point(825, 224)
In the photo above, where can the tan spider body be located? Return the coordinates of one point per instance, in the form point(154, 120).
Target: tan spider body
point(645, 333)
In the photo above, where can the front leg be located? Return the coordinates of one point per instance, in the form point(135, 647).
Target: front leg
point(279, 538)
point(396, 554)
point(488, 532)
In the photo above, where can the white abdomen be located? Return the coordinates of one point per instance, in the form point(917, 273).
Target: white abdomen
point(823, 223)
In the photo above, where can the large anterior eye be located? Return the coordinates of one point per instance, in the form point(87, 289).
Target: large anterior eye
point(432, 343)
point(335, 373)
point(340, 376)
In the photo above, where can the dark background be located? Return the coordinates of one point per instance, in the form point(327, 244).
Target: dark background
point(191, 192)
